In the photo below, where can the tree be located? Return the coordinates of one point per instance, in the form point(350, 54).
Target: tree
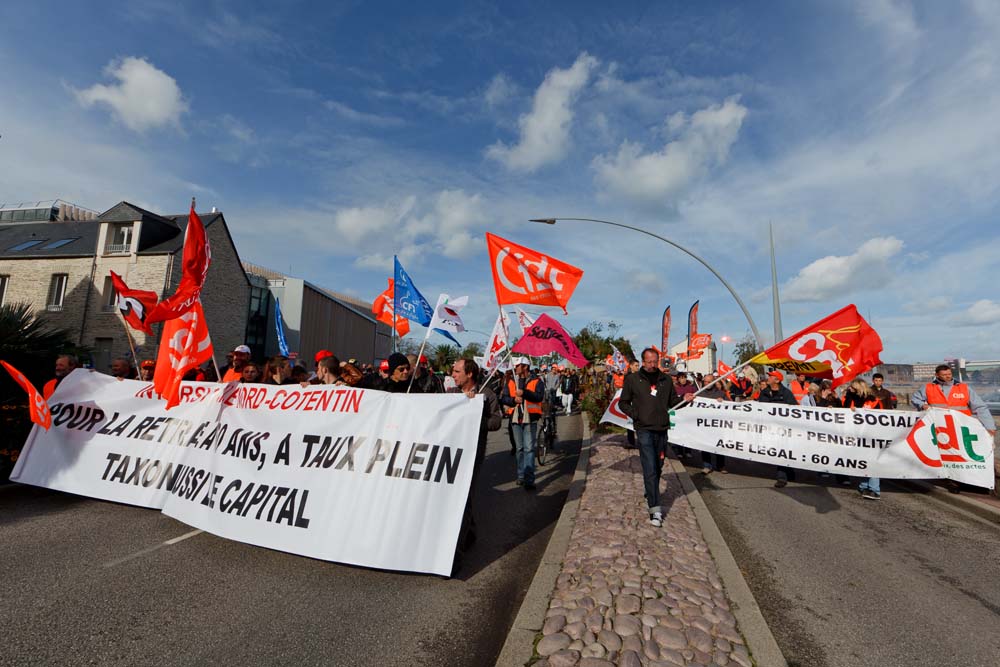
point(747, 348)
point(594, 344)
point(443, 355)
point(472, 350)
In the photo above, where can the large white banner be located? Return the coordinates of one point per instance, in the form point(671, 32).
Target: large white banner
point(336, 473)
point(895, 444)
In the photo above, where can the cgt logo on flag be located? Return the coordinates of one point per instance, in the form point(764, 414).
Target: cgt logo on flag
point(938, 440)
point(523, 275)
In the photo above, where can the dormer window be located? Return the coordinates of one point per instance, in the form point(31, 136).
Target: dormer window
point(119, 240)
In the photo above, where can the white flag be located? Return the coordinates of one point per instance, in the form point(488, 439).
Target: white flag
point(446, 320)
point(498, 341)
point(524, 320)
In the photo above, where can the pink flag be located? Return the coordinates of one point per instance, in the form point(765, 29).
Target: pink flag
point(545, 336)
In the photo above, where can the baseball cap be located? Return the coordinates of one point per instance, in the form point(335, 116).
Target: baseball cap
point(422, 359)
point(776, 374)
point(323, 354)
point(245, 349)
point(384, 366)
point(517, 361)
point(149, 363)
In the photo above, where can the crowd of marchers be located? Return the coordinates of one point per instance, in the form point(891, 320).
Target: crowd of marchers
point(522, 396)
point(649, 393)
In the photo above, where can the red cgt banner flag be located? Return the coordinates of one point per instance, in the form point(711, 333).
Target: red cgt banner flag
point(195, 263)
point(724, 369)
point(523, 275)
point(383, 310)
point(839, 347)
point(185, 345)
point(37, 406)
point(134, 304)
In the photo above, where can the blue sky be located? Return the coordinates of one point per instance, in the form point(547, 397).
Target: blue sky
point(338, 134)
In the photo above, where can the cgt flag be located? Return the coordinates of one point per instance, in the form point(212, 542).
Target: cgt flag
point(665, 331)
point(134, 304)
point(692, 327)
point(839, 347)
point(184, 346)
point(724, 369)
point(384, 311)
point(196, 260)
point(524, 319)
point(38, 408)
point(408, 302)
point(545, 336)
point(523, 275)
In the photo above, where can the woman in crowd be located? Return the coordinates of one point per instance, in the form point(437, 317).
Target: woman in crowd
point(827, 397)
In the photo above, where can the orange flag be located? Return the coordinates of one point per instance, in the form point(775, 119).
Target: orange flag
point(724, 368)
point(185, 344)
point(384, 310)
point(839, 347)
point(38, 407)
point(523, 275)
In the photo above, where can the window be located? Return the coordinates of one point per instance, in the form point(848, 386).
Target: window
point(60, 243)
point(119, 240)
point(6, 216)
point(108, 303)
point(3, 288)
point(26, 244)
point(57, 291)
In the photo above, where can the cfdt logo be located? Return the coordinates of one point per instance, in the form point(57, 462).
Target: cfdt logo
point(939, 440)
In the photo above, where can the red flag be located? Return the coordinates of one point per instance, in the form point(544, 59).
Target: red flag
point(197, 257)
point(523, 275)
point(383, 310)
point(134, 304)
point(839, 347)
point(723, 368)
point(700, 342)
point(185, 345)
point(545, 336)
point(37, 406)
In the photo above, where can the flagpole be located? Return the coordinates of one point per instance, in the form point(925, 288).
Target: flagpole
point(495, 369)
point(131, 344)
point(413, 371)
point(723, 377)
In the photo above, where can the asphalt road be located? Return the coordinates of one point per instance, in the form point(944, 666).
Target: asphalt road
point(844, 581)
point(91, 582)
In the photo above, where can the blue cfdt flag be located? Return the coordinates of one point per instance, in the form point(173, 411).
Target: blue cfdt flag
point(280, 328)
point(408, 301)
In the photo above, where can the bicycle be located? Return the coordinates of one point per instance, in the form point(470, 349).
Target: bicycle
point(546, 434)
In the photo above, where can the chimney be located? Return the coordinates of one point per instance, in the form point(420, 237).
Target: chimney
point(215, 210)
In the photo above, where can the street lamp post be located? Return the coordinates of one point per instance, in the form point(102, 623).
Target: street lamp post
point(722, 347)
point(746, 313)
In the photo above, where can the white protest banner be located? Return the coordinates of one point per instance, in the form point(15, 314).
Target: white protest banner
point(336, 473)
point(868, 443)
point(614, 415)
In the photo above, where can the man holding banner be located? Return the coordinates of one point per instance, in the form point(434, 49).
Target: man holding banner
point(647, 397)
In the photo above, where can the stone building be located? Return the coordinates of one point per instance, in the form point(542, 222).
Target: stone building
point(62, 268)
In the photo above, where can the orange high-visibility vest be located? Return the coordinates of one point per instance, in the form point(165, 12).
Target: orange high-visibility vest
point(619, 380)
point(957, 399)
point(532, 385)
point(799, 390)
point(874, 404)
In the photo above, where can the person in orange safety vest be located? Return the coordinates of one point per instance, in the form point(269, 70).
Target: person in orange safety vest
point(65, 364)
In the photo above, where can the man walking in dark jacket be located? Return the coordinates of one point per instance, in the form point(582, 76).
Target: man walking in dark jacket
point(775, 392)
point(647, 397)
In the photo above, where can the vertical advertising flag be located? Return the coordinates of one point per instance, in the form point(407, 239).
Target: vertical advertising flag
point(692, 324)
point(665, 332)
point(408, 302)
point(279, 327)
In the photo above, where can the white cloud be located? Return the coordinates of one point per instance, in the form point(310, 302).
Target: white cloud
point(362, 117)
point(544, 137)
point(838, 276)
point(647, 281)
point(144, 97)
point(359, 225)
point(703, 141)
point(981, 312)
point(500, 91)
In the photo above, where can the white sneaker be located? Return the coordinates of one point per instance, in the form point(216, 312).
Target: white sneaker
point(656, 519)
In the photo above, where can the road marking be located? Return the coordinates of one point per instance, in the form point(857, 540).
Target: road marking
point(148, 550)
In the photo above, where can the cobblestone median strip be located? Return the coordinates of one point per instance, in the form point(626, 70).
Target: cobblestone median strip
point(630, 594)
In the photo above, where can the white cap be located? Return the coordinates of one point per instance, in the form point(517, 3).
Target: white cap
point(517, 361)
point(242, 348)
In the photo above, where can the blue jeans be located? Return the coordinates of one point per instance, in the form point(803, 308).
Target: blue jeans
point(524, 443)
point(872, 484)
point(651, 445)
